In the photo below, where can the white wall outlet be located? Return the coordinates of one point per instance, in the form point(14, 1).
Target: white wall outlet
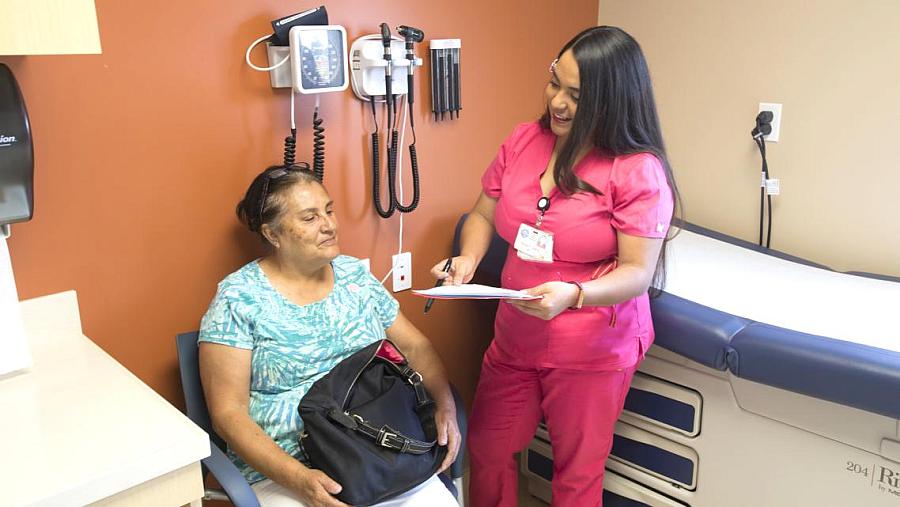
point(776, 121)
point(402, 264)
point(367, 263)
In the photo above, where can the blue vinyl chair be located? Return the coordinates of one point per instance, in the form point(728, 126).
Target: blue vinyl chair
point(234, 487)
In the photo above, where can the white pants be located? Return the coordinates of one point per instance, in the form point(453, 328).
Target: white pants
point(431, 493)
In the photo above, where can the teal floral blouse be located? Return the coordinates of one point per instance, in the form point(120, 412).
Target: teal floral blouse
point(293, 346)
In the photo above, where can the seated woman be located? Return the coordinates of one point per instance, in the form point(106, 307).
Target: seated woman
point(281, 322)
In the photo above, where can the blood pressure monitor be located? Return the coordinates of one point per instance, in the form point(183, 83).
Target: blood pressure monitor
point(319, 58)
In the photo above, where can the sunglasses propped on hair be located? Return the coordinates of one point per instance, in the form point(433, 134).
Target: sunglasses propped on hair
point(274, 174)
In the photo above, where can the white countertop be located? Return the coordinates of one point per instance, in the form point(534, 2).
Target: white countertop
point(782, 293)
point(77, 426)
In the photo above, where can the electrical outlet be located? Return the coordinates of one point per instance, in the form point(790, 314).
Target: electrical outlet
point(776, 120)
point(367, 263)
point(402, 264)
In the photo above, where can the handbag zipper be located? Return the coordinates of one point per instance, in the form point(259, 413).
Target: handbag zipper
point(355, 379)
point(375, 355)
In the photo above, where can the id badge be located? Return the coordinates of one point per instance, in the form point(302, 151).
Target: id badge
point(534, 244)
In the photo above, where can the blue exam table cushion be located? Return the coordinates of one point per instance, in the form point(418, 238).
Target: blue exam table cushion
point(694, 331)
point(860, 376)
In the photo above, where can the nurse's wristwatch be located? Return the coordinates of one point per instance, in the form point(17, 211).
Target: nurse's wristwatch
point(580, 301)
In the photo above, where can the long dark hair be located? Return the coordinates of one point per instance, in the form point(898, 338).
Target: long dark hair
point(616, 112)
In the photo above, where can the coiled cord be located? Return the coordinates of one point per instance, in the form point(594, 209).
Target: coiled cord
point(393, 152)
point(392, 167)
point(376, 183)
point(414, 163)
point(318, 147)
point(290, 148)
point(392, 156)
point(414, 166)
point(376, 173)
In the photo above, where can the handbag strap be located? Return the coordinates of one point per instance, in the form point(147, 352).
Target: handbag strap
point(393, 439)
point(415, 378)
point(385, 436)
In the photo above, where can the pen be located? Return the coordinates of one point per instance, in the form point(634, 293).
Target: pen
point(439, 283)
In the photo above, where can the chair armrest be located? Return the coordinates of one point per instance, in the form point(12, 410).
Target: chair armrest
point(231, 479)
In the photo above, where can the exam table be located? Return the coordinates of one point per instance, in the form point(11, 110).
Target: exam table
point(772, 382)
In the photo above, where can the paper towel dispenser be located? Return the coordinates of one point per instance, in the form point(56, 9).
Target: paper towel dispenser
point(16, 153)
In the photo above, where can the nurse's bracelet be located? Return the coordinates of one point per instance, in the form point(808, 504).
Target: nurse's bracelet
point(580, 301)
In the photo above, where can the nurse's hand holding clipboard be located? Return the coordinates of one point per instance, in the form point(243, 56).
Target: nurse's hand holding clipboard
point(556, 297)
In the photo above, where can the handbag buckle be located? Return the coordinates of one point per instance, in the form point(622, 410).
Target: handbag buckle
point(415, 378)
point(384, 435)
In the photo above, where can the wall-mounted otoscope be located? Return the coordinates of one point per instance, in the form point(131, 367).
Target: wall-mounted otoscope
point(388, 79)
point(391, 142)
point(411, 35)
point(373, 61)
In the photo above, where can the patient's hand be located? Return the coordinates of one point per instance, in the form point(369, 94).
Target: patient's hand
point(317, 489)
point(448, 432)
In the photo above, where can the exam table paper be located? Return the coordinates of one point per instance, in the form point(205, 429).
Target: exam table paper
point(14, 353)
point(473, 291)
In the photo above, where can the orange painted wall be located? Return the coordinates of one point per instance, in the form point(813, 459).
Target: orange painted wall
point(143, 151)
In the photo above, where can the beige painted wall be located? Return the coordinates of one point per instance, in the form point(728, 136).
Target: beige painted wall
point(833, 64)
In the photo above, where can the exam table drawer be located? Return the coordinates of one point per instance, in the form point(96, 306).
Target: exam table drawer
point(618, 491)
point(664, 404)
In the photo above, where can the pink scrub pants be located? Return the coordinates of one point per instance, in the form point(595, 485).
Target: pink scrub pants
point(580, 409)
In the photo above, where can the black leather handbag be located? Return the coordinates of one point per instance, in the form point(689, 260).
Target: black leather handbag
point(369, 425)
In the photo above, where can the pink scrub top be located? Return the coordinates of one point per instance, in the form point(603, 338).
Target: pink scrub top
point(636, 201)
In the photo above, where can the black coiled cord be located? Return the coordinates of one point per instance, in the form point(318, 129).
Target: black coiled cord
point(414, 165)
point(318, 147)
point(392, 167)
point(290, 148)
point(376, 174)
point(394, 203)
point(413, 160)
point(376, 183)
point(392, 158)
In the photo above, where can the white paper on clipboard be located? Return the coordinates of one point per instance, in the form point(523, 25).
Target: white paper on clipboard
point(473, 291)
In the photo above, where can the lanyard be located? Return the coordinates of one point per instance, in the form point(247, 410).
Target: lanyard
point(543, 204)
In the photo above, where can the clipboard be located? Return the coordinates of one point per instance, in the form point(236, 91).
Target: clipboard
point(473, 291)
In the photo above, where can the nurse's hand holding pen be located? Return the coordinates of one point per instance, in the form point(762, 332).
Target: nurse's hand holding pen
point(556, 297)
point(461, 271)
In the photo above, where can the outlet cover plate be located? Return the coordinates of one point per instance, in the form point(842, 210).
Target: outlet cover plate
point(402, 264)
point(776, 120)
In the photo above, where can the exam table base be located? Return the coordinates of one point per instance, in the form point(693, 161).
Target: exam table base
point(754, 445)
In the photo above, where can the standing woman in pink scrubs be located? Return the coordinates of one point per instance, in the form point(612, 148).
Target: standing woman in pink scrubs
point(584, 197)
